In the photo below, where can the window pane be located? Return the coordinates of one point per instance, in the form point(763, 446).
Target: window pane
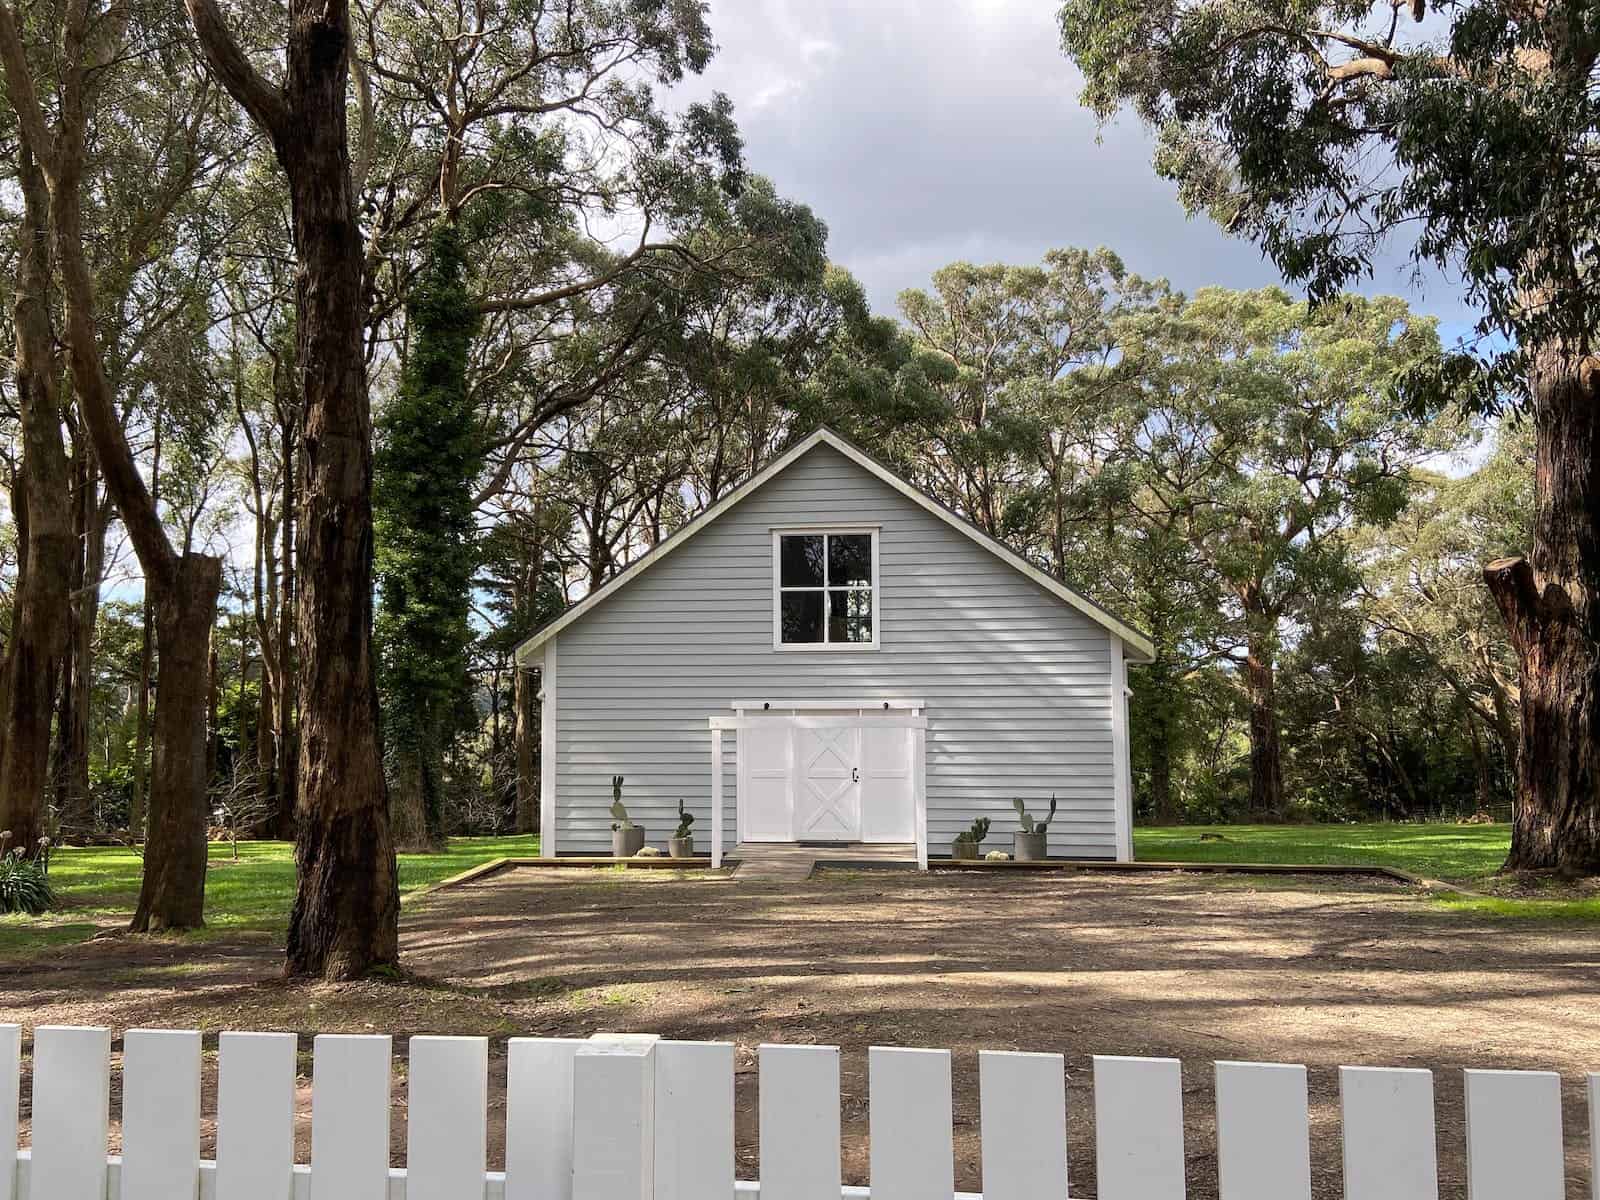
point(800, 557)
point(802, 617)
point(850, 560)
point(850, 615)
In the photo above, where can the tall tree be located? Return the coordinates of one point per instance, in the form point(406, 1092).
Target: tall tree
point(1318, 129)
point(37, 643)
point(428, 460)
point(1258, 432)
point(183, 583)
point(346, 909)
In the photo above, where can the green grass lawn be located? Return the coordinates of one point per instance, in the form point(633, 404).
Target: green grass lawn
point(102, 884)
point(1468, 855)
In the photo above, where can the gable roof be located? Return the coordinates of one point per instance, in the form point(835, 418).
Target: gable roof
point(1143, 650)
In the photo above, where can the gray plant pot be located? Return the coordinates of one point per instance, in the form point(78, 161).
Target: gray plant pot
point(963, 850)
point(625, 843)
point(681, 847)
point(1029, 847)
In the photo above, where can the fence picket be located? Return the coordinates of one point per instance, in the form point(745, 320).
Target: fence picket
point(10, 1101)
point(71, 1112)
point(539, 1118)
point(1138, 1128)
point(1514, 1135)
point(255, 1115)
point(350, 1116)
point(912, 1143)
point(447, 1118)
point(160, 1114)
point(1390, 1151)
point(613, 1129)
point(799, 1122)
point(1022, 1113)
point(1594, 1136)
point(1263, 1132)
point(694, 1120)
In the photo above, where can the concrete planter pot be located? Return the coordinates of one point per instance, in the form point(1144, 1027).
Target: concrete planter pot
point(681, 847)
point(625, 843)
point(1028, 847)
point(967, 851)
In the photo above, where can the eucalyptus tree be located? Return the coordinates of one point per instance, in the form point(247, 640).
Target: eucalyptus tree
point(92, 57)
point(1318, 129)
point(1421, 587)
point(40, 502)
point(1003, 352)
point(1259, 431)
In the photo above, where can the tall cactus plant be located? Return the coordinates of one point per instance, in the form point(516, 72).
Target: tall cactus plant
point(1029, 825)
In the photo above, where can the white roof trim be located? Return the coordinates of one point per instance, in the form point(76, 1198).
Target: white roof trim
point(1135, 641)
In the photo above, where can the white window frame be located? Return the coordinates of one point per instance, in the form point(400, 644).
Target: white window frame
point(779, 532)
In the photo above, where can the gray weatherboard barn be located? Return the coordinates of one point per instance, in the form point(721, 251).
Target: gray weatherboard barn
point(859, 663)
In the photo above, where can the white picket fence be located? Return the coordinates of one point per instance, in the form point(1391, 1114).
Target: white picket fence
point(632, 1117)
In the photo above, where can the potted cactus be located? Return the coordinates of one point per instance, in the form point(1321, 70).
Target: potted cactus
point(966, 842)
point(627, 839)
point(1029, 844)
point(681, 843)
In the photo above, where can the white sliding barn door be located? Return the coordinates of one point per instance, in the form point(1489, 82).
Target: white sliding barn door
point(827, 792)
point(765, 781)
point(887, 805)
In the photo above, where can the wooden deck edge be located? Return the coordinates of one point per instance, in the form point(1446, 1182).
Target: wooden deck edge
point(467, 876)
point(496, 865)
point(1101, 864)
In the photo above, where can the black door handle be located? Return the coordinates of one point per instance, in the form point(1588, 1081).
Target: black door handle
point(855, 775)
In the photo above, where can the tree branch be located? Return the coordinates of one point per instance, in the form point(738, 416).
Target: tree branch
point(260, 99)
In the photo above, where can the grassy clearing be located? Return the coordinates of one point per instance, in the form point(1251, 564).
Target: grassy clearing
point(99, 886)
point(1468, 855)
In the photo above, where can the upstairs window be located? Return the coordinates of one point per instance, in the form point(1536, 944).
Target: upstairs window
point(826, 589)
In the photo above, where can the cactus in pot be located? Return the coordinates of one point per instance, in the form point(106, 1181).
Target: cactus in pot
point(966, 843)
point(1030, 844)
point(627, 839)
point(681, 843)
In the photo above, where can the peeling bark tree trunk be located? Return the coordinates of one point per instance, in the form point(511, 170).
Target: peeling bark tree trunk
point(39, 633)
point(346, 909)
point(172, 892)
point(1266, 760)
point(1551, 608)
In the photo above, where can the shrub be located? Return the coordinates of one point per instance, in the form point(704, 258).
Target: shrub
point(24, 885)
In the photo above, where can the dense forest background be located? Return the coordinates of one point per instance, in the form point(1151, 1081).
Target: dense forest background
point(588, 319)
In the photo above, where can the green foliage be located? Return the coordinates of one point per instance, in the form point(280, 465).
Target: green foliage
point(428, 457)
point(1320, 128)
point(24, 884)
point(685, 821)
point(1029, 825)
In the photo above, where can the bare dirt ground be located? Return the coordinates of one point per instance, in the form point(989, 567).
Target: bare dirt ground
point(1312, 970)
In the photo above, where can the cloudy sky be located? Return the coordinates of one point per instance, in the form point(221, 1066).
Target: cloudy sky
point(927, 132)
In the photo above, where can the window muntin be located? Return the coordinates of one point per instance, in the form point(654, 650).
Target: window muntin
point(826, 589)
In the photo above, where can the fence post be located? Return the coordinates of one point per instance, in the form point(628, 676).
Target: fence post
point(10, 1081)
point(716, 798)
point(613, 1119)
point(71, 1112)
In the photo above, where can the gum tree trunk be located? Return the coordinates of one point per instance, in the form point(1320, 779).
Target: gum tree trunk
point(75, 803)
point(1551, 615)
point(172, 892)
point(38, 641)
point(527, 729)
point(346, 909)
point(1266, 759)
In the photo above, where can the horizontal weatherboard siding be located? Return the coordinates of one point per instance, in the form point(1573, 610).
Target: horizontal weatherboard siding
point(1016, 682)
